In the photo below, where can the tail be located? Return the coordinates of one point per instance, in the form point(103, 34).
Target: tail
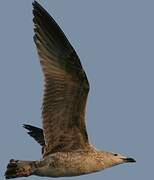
point(17, 168)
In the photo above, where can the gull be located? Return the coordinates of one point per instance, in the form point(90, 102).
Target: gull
point(66, 150)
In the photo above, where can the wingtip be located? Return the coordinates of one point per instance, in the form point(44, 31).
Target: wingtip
point(36, 5)
point(37, 10)
point(23, 125)
point(26, 126)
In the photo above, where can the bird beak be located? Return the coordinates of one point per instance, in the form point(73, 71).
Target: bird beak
point(129, 160)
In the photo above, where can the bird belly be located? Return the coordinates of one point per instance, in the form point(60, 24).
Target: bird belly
point(64, 172)
point(69, 165)
point(54, 172)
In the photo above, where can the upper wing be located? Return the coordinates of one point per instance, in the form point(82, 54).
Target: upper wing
point(66, 86)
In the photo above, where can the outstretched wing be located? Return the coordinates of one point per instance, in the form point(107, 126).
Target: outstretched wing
point(66, 86)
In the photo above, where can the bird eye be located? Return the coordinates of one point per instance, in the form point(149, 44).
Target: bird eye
point(115, 154)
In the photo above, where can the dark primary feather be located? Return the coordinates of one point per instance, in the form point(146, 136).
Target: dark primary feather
point(66, 86)
point(36, 133)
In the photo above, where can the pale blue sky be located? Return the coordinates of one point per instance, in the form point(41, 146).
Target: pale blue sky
point(115, 42)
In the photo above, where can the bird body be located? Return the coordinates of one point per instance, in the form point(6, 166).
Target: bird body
point(66, 150)
point(65, 164)
point(71, 164)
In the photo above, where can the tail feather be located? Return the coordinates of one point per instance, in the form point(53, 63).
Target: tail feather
point(17, 168)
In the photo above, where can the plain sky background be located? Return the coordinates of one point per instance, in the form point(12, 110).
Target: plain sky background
point(115, 42)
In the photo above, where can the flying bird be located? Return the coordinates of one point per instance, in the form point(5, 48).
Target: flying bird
point(66, 150)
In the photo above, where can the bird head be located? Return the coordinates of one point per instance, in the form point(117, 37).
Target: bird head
point(111, 159)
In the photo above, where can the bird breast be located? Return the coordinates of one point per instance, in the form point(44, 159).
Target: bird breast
point(70, 164)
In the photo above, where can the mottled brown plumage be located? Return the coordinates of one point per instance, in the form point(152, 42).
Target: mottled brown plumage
point(66, 87)
point(64, 139)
